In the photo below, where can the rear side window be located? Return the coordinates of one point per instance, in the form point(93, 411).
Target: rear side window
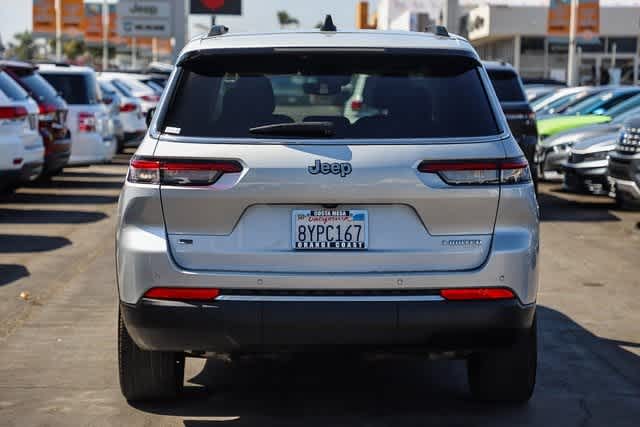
point(41, 90)
point(75, 88)
point(10, 88)
point(359, 96)
point(507, 86)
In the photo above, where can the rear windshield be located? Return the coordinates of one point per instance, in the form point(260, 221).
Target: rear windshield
point(75, 88)
point(355, 96)
point(507, 86)
point(10, 88)
point(131, 86)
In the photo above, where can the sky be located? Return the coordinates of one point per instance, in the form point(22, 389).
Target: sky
point(258, 15)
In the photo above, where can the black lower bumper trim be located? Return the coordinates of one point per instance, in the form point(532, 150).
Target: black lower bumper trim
point(258, 326)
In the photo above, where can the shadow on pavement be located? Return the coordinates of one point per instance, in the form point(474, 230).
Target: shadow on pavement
point(15, 243)
point(45, 216)
point(555, 208)
point(581, 377)
point(11, 272)
point(47, 198)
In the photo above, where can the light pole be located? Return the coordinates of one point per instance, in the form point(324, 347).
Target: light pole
point(573, 30)
point(58, 11)
point(105, 35)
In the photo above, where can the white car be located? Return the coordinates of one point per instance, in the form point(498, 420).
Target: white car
point(92, 133)
point(131, 85)
point(131, 117)
point(21, 146)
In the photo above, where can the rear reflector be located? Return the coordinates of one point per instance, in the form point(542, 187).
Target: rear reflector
point(479, 172)
point(467, 294)
point(182, 294)
point(180, 172)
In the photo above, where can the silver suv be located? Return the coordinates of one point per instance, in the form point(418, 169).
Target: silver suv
point(250, 224)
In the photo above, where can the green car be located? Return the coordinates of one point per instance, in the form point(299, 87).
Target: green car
point(555, 124)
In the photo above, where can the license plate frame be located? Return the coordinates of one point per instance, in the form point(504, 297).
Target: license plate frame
point(330, 218)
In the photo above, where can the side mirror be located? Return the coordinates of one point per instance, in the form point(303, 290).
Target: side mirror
point(150, 114)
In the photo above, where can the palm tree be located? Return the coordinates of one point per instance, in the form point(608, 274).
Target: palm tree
point(285, 19)
point(25, 49)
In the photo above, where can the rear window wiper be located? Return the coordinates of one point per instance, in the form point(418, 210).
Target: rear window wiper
point(296, 129)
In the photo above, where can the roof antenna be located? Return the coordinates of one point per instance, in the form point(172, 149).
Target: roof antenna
point(438, 30)
point(328, 24)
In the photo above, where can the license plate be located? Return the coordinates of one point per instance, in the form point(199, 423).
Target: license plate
point(330, 229)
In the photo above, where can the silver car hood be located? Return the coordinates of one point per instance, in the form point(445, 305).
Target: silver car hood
point(596, 143)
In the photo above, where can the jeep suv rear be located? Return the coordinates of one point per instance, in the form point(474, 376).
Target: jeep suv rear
point(251, 225)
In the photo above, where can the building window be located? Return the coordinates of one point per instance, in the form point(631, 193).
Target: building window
point(623, 44)
point(532, 44)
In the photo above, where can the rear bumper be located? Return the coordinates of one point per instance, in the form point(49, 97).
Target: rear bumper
point(262, 326)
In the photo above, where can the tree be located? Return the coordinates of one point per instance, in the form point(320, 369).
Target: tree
point(73, 48)
point(25, 49)
point(285, 19)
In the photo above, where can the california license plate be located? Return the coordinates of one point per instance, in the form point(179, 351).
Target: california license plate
point(330, 229)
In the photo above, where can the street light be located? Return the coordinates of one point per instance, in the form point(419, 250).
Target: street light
point(573, 29)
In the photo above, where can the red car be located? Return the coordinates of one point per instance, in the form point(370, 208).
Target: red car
point(53, 114)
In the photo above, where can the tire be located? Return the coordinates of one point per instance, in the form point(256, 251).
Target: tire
point(506, 374)
point(147, 375)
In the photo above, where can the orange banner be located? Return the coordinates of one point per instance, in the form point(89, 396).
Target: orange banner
point(44, 17)
point(560, 18)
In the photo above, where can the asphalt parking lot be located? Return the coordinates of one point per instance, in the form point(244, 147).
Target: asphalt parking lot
point(58, 318)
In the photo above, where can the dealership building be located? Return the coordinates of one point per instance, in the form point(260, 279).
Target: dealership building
point(516, 31)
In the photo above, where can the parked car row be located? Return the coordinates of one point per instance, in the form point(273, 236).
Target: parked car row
point(58, 115)
point(589, 139)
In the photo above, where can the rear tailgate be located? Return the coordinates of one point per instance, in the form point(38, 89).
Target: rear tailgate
point(416, 222)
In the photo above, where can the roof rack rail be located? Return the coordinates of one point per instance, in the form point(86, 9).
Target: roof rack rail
point(217, 30)
point(328, 24)
point(438, 30)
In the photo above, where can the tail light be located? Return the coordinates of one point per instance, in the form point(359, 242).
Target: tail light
point(12, 114)
point(87, 122)
point(17, 160)
point(180, 172)
point(47, 112)
point(480, 172)
point(356, 105)
point(150, 98)
point(183, 294)
point(469, 294)
point(128, 107)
